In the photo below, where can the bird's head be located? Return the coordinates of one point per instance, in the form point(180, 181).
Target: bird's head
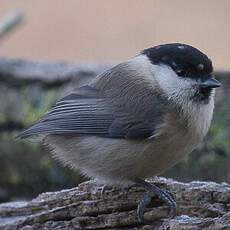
point(182, 71)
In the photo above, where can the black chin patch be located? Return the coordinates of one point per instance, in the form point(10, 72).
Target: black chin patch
point(202, 96)
point(185, 60)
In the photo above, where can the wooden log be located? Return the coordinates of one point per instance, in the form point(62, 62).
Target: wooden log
point(20, 72)
point(201, 205)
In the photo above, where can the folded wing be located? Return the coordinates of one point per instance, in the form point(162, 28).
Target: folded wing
point(82, 112)
point(90, 111)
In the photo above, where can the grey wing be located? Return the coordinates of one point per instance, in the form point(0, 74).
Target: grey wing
point(89, 111)
point(82, 112)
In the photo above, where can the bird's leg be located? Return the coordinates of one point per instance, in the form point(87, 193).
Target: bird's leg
point(153, 190)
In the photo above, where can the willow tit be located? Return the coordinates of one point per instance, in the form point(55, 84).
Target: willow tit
point(135, 120)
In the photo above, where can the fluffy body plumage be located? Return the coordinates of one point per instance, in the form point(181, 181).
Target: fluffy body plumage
point(133, 121)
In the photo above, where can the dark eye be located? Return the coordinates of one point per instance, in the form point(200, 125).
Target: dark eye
point(181, 72)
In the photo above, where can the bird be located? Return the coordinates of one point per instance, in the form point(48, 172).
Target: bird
point(135, 120)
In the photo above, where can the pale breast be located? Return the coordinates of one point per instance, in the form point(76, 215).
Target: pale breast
point(121, 160)
point(180, 135)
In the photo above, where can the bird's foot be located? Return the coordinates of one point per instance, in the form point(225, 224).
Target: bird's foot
point(153, 190)
point(103, 190)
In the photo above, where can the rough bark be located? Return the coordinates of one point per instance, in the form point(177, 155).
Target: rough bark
point(20, 72)
point(201, 205)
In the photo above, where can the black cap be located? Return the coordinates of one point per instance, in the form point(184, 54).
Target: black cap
point(185, 60)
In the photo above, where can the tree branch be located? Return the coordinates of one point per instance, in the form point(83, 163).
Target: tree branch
point(9, 22)
point(19, 72)
point(201, 205)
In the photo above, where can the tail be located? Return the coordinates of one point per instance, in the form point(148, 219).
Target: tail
point(34, 131)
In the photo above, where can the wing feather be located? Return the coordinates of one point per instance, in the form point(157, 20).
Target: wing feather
point(105, 110)
point(77, 113)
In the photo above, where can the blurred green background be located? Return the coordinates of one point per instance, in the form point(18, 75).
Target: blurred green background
point(103, 32)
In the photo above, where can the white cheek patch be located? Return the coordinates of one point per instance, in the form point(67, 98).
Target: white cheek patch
point(179, 90)
point(168, 80)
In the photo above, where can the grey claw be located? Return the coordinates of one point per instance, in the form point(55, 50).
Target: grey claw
point(169, 193)
point(142, 205)
point(103, 190)
point(153, 190)
point(170, 201)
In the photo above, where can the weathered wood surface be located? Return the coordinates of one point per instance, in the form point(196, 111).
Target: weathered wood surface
point(18, 72)
point(201, 205)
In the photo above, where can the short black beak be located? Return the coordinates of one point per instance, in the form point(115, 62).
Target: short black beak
point(209, 83)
